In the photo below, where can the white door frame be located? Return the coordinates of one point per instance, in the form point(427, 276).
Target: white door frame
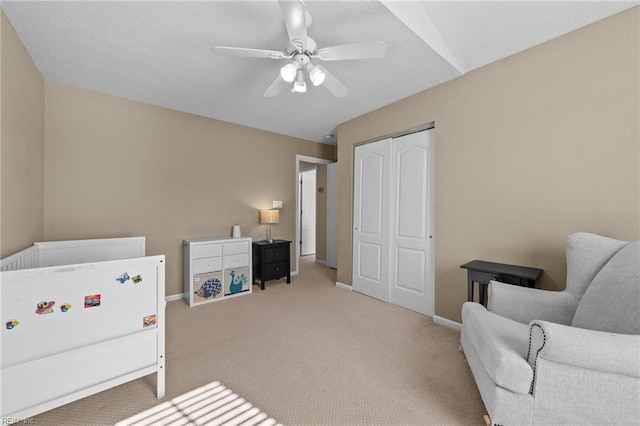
point(305, 159)
point(332, 215)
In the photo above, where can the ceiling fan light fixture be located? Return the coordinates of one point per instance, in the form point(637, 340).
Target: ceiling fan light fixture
point(288, 72)
point(317, 76)
point(299, 87)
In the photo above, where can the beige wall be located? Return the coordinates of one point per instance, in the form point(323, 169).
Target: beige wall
point(21, 144)
point(114, 167)
point(527, 150)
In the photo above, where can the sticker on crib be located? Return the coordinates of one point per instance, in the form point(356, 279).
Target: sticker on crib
point(45, 307)
point(136, 279)
point(92, 301)
point(124, 277)
point(65, 307)
point(148, 321)
point(11, 324)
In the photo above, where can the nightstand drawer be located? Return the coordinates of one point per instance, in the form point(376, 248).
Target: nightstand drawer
point(276, 254)
point(236, 247)
point(207, 250)
point(236, 260)
point(276, 270)
point(207, 264)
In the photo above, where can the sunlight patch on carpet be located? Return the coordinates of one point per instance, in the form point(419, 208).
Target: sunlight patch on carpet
point(209, 405)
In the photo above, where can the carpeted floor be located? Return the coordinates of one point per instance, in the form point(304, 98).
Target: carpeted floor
point(307, 353)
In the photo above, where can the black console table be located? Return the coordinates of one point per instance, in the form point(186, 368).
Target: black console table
point(271, 261)
point(482, 272)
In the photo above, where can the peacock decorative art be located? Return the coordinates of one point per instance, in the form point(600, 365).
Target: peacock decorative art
point(237, 282)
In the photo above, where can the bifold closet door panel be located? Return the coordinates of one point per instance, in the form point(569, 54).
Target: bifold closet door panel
point(371, 219)
point(411, 271)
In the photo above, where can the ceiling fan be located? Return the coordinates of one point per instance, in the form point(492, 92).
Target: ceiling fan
point(301, 49)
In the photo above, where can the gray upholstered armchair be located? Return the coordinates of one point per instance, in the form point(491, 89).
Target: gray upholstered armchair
point(569, 357)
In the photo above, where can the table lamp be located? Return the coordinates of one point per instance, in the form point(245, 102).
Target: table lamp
point(268, 217)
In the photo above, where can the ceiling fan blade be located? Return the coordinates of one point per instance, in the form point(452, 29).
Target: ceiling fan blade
point(275, 87)
point(248, 53)
point(362, 50)
point(294, 15)
point(332, 84)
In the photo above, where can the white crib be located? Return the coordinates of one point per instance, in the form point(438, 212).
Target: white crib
point(86, 315)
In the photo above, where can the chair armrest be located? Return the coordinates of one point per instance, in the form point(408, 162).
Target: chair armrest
point(590, 349)
point(525, 304)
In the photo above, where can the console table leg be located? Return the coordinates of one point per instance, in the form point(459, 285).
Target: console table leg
point(469, 289)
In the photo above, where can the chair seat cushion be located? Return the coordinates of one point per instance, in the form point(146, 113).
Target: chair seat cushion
point(501, 345)
point(611, 301)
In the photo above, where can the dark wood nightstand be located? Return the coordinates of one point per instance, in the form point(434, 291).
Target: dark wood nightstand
point(482, 272)
point(271, 261)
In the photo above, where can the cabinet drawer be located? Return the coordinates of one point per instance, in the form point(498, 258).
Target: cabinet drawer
point(207, 250)
point(276, 270)
point(276, 254)
point(236, 260)
point(236, 247)
point(207, 264)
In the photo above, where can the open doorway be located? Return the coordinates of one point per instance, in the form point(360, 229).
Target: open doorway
point(307, 210)
point(319, 165)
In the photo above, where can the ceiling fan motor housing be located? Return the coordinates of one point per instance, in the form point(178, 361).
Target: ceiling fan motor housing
point(309, 48)
point(302, 59)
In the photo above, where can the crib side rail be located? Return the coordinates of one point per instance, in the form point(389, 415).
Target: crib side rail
point(56, 253)
point(24, 259)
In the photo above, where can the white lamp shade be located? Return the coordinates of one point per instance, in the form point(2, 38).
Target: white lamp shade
point(269, 216)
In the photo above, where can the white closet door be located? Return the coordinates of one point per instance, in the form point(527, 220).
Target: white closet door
point(411, 243)
point(332, 215)
point(371, 219)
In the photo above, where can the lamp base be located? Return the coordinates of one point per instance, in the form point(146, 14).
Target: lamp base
point(269, 233)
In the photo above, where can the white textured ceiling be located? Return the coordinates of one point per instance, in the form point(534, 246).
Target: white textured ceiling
point(158, 52)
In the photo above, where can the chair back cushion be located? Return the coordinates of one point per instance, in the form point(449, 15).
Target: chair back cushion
point(612, 301)
point(586, 256)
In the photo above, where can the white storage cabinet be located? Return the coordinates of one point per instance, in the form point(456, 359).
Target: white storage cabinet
point(216, 268)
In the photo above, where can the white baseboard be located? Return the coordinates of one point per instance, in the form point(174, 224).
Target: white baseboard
point(447, 322)
point(344, 286)
point(174, 297)
point(321, 262)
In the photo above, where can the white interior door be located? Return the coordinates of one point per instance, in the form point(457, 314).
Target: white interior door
point(411, 243)
point(308, 212)
point(371, 219)
point(332, 215)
